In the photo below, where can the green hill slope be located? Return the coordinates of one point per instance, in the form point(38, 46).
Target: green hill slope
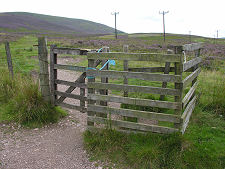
point(38, 23)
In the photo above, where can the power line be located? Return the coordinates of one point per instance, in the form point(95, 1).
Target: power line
point(115, 13)
point(163, 13)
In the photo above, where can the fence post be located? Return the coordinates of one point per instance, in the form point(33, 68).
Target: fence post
point(125, 68)
point(104, 80)
point(91, 64)
point(178, 66)
point(166, 71)
point(53, 74)
point(43, 64)
point(9, 58)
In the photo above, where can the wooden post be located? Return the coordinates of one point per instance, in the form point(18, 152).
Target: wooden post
point(125, 68)
point(166, 71)
point(43, 64)
point(178, 71)
point(53, 74)
point(82, 93)
point(91, 64)
point(125, 81)
point(9, 58)
point(104, 80)
point(197, 54)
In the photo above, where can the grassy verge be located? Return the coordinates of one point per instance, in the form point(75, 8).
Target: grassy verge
point(21, 102)
point(202, 146)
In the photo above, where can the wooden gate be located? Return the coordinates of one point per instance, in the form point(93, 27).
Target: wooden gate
point(101, 114)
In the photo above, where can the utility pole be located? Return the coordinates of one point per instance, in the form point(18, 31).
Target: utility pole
point(217, 32)
point(115, 13)
point(190, 36)
point(163, 13)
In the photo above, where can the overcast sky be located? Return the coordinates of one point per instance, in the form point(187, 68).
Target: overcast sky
point(201, 17)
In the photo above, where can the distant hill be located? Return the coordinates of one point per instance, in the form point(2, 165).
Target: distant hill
point(38, 23)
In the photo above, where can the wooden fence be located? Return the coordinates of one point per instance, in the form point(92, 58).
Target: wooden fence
point(101, 113)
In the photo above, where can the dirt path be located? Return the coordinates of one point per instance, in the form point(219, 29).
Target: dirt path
point(57, 146)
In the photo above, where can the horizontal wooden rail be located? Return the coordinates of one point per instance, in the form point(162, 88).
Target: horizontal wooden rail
point(70, 67)
point(133, 88)
point(150, 69)
point(136, 56)
point(135, 101)
point(191, 77)
point(189, 94)
point(74, 84)
point(135, 113)
point(94, 129)
point(190, 104)
point(70, 106)
point(191, 63)
point(72, 51)
point(72, 96)
point(135, 75)
point(132, 125)
point(192, 46)
point(187, 114)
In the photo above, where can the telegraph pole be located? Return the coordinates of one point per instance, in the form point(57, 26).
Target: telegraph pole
point(163, 13)
point(115, 13)
point(190, 36)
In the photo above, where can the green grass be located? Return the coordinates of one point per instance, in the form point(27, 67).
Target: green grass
point(202, 146)
point(23, 53)
point(21, 102)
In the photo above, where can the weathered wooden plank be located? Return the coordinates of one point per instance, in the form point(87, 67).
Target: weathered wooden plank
point(72, 51)
point(94, 129)
point(191, 63)
point(150, 69)
point(192, 46)
point(135, 75)
point(9, 58)
point(133, 88)
point(132, 125)
point(189, 94)
point(74, 84)
point(136, 101)
point(187, 114)
point(158, 57)
point(70, 106)
point(190, 104)
point(135, 113)
point(191, 77)
point(69, 95)
point(72, 88)
point(70, 67)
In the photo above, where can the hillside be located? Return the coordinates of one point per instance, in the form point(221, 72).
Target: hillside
point(38, 23)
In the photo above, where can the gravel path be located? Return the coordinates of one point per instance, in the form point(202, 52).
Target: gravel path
point(56, 146)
